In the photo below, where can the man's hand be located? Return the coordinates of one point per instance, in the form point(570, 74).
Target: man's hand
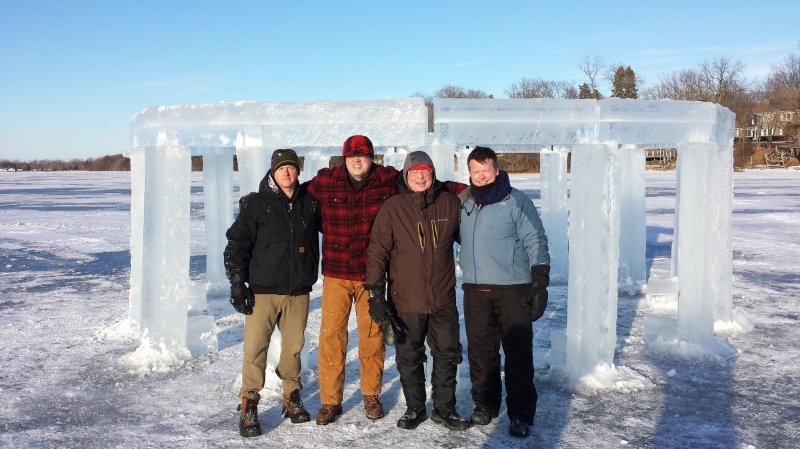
point(242, 297)
point(377, 301)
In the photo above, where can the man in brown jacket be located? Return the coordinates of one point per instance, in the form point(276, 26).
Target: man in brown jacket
point(413, 235)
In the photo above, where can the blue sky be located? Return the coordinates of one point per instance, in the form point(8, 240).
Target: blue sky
point(73, 73)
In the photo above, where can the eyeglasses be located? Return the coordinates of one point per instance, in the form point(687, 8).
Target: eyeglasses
point(423, 173)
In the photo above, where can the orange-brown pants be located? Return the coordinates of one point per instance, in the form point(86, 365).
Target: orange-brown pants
point(338, 296)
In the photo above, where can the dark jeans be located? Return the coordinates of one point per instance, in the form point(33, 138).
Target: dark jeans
point(442, 332)
point(496, 315)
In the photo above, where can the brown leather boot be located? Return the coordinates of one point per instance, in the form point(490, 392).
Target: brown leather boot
point(373, 407)
point(293, 408)
point(328, 413)
point(249, 426)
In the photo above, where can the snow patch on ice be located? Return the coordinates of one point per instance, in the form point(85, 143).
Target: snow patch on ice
point(152, 357)
point(126, 329)
point(740, 323)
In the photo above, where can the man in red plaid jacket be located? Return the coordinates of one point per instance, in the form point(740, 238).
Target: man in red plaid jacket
point(350, 196)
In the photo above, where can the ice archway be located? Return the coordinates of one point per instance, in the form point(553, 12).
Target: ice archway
point(606, 138)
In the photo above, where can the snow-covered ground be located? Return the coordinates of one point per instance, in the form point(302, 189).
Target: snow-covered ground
point(65, 380)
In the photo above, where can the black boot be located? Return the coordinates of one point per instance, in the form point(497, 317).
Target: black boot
point(518, 428)
point(249, 426)
point(293, 408)
point(412, 418)
point(450, 419)
point(481, 417)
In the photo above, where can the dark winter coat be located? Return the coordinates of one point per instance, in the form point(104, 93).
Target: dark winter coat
point(413, 235)
point(274, 241)
point(348, 215)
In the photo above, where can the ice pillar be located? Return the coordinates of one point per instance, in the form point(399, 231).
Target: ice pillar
point(395, 157)
point(554, 210)
point(633, 226)
point(137, 230)
point(462, 172)
point(593, 257)
point(704, 276)
point(312, 163)
point(254, 163)
point(443, 156)
point(722, 191)
point(218, 208)
point(165, 286)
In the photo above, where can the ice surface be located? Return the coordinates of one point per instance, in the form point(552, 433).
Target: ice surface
point(554, 210)
point(63, 302)
point(594, 254)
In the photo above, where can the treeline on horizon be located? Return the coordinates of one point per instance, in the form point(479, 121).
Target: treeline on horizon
point(114, 162)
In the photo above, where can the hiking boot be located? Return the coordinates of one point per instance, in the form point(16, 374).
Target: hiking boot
point(517, 428)
point(481, 417)
point(412, 418)
point(373, 407)
point(328, 413)
point(248, 418)
point(293, 408)
point(450, 419)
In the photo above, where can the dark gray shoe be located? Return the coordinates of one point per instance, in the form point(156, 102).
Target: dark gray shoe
point(481, 417)
point(450, 419)
point(412, 419)
point(517, 428)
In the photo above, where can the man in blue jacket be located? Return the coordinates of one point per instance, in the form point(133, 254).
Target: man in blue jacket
point(505, 271)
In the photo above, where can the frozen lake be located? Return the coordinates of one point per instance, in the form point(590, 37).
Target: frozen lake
point(66, 378)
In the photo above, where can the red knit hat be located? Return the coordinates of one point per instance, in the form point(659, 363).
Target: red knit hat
point(358, 144)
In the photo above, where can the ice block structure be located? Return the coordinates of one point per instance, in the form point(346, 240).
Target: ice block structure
point(606, 205)
point(164, 303)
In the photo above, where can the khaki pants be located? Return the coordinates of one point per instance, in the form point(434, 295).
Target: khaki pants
point(290, 314)
point(338, 295)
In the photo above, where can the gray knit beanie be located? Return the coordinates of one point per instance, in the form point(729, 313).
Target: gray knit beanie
point(417, 158)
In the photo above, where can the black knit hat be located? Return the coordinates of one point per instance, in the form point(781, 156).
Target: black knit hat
point(284, 156)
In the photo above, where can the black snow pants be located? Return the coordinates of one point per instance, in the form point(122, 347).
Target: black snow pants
point(496, 315)
point(441, 329)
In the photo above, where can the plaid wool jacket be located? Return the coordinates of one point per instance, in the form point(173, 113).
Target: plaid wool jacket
point(347, 217)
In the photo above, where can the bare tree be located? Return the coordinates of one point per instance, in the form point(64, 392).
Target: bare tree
point(451, 91)
point(720, 81)
point(782, 91)
point(539, 88)
point(591, 66)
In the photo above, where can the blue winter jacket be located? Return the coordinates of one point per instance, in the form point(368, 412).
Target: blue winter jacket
point(501, 241)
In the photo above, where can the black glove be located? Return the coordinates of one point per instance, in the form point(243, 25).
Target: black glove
point(377, 301)
point(540, 279)
point(242, 297)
